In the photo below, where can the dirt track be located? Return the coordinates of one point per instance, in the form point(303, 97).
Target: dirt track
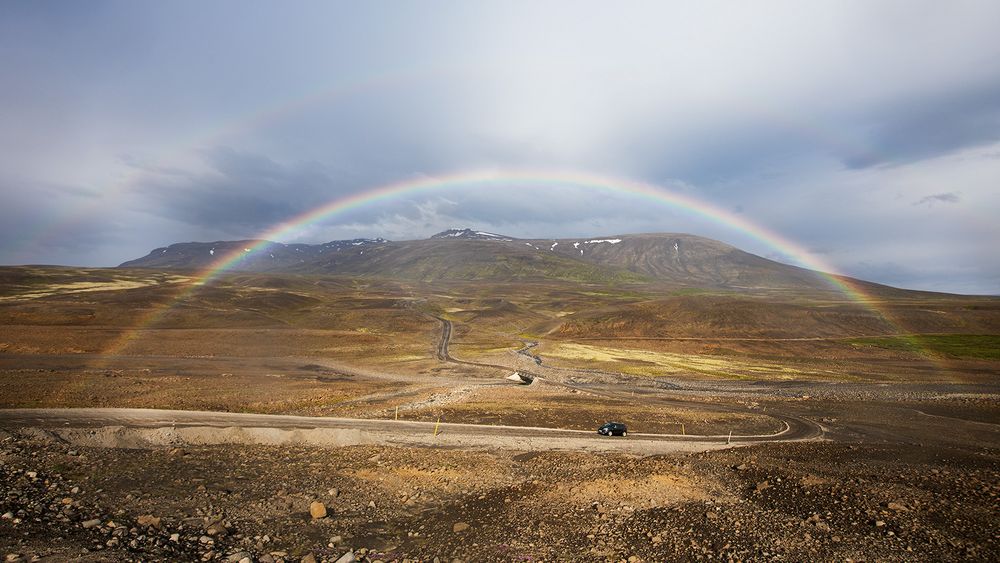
point(151, 427)
point(796, 427)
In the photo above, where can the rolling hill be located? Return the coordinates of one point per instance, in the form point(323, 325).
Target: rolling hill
point(465, 254)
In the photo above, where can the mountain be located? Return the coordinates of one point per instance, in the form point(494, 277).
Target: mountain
point(257, 255)
point(687, 259)
point(469, 234)
point(467, 254)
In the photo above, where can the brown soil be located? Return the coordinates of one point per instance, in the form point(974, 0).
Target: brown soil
point(221, 384)
point(544, 406)
point(808, 501)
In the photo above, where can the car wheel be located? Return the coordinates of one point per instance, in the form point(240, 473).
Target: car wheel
point(624, 434)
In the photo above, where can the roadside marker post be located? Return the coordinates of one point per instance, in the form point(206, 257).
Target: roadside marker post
point(683, 433)
point(397, 413)
point(730, 438)
point(436, 426)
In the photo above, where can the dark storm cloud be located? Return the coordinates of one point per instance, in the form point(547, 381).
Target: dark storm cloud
point(245, 194)
point(918, 129)
point(239, 193)
point(717, 151)
point(949, 197)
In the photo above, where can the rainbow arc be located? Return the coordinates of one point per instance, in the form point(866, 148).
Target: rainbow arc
point(494, 179)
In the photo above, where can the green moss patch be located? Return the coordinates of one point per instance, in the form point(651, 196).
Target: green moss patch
point(966, 346)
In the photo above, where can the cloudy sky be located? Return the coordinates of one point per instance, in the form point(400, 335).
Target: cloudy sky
point(866, 132)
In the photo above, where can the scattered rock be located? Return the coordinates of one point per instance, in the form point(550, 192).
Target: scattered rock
point(347, 558)
point(317, 510)
point(91, 523)
point(148, 520)
point(762, 485)
point(216, 528)
point(459, 527)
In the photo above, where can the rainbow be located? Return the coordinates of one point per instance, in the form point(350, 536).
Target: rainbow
point(540, 178)
point(496, 179)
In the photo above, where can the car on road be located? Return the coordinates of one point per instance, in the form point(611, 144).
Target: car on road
point(613, 429)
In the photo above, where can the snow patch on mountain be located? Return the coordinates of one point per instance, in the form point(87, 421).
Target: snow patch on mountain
point(473, 235)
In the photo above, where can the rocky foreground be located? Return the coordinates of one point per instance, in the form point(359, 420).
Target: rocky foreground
point(795, 502)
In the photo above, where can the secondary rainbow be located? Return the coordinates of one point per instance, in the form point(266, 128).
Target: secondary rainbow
point(473, 180)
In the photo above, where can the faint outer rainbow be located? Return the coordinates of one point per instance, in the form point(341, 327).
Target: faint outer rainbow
point(508, 179)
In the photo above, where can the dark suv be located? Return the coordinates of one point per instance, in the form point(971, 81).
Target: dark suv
point(613, 429)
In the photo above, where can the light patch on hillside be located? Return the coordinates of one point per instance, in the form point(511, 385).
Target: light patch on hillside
point(645, 362)
point(89, 286)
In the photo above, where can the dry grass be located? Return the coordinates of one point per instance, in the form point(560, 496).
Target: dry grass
point(653, 363)
point(552, 407)
point(272, 389)
point(128, 320)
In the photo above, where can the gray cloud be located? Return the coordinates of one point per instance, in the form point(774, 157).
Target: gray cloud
point(917, 129)
point(239, 193)
point(243, 194)
point(948, 197)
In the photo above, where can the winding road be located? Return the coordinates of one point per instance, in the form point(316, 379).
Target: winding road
point(796, 427)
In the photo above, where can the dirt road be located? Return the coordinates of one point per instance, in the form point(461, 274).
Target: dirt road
point(152, 427)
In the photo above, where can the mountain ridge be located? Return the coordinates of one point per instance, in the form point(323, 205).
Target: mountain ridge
point(468, 254)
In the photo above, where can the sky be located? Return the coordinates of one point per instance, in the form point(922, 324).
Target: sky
point(866, 132)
